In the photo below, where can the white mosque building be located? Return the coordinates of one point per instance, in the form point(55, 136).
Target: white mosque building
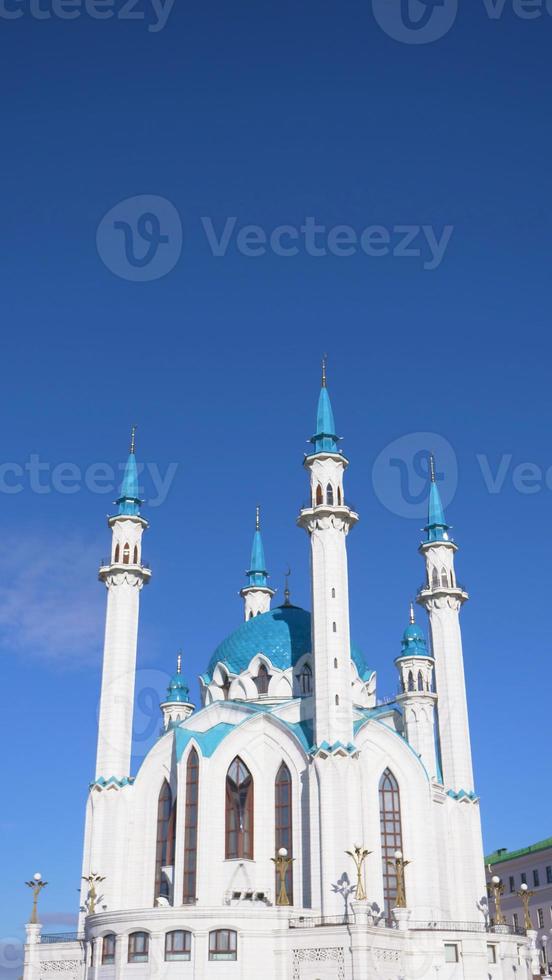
point(230, 854)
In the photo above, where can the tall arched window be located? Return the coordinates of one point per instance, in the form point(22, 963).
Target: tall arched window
point(420, 681)
point(435, 579)
point(391, 836)
point(410, 681)
point(283, 824)
point(108, 948)
point(339, 498)
point(126, 554)
point(318, 495)
point(262, 680)
point(117, 553)
point(329, 495)
point(135, 559)
point(190, 828)
point(305, 680)
point(444, 578)
point(166, 838)
point(239, 811)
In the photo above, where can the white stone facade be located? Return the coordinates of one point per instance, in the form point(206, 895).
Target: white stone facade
point(291, 745)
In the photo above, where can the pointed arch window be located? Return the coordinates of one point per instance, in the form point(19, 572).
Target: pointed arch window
point(117, 553)
point(135, 559)
point(239, 811)
point(444, 578)
point(435, 579)
point(305, 680)
point(339, 497)
point(225, 686)
point(166, 839)
point(190, 828)
point(319, 499)
point(126, 554)
point(420, 681)
point(329, 495)
point(283, 823)
point(262, 680)
point(410, 681)
point(391, 836)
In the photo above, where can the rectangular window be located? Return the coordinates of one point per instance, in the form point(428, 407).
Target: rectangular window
point(536, 879)
point(516, 920)
point(512, 882)
point(540, 918)
point(523, 878)
point(223, 945)
point(549, 875)
point(491, 953)
point(451, 953)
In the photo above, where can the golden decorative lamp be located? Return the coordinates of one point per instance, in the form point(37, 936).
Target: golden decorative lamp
point(359, 855)
point(37, 884)
point(93, 879)
point(282, 863)
point(495, 887)
point(399, 864)
point(525, 894)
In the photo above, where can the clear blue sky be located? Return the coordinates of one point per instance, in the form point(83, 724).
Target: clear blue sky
point(269, 113)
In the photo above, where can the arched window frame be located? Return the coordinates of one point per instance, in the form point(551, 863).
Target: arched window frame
point(166, 839)
point(329, 495)
point(109, 943)
point(138, 947)
point(319, 495)
point(191, 816)
point(339, 497)
point(410, 685)
point(135, 556)
point(117, 553)
point(391, 836)
point(223, 944)
point(263, 678)
point(178, 945)
point(444, 578)
point(305, 680)
point(283, 823)
point(420, 681)
point(435, 579)
point(239, 811)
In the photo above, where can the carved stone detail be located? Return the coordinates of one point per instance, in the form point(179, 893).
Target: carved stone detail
point(320, 954)
point(60, 966)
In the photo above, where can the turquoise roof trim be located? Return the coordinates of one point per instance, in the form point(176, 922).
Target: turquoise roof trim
point(100, 781)
point(282, 634)
point(208, 741)
point(257, 572)
point(462, 794)
point(325, 439)
point(129, 501)
point(436, 527)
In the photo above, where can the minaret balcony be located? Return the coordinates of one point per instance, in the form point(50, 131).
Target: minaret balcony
point(426, 590)
point(349, 511)
point(109, 567)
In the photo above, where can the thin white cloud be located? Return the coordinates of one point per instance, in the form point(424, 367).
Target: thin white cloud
point(50, 601)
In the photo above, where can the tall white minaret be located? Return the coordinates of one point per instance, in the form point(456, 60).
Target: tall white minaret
point(257, 593)
point(327, 521)
point(415, 665)
point(443, 597)
point(124, 577)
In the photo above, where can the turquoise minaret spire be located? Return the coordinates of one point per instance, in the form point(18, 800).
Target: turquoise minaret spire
point(436, 527)
point(257, 572)
point(129, 502)
point(257, 593)
point(325, 439)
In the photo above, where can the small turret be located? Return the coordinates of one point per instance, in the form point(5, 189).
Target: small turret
point(178, 706)
point(257, 593)
point(415, 665)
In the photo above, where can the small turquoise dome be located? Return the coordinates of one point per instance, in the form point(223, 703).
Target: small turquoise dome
point(414, 642)
point(178, 690)
point(283, 635)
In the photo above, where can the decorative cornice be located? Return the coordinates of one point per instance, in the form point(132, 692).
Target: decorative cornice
point(102, 783)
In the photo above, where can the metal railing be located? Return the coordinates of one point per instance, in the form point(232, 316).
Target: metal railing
point(61, 937)
point(106, 562)
point(435, 926)
point(313, 922)
point(347, 504)
point(425, 587)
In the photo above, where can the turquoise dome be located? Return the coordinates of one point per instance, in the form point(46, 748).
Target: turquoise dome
point(282, 634)
point(178, 690)
point(414, 642)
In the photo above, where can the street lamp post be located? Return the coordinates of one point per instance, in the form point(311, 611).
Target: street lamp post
point(399, 864)
point(359, 855)
point(37, 884)
point(282, 863)
point(525, 894)
point(495, 888)
point(93, 879)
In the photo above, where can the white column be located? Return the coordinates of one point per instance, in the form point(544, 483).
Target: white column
point(31, 967)
point(124, 577)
